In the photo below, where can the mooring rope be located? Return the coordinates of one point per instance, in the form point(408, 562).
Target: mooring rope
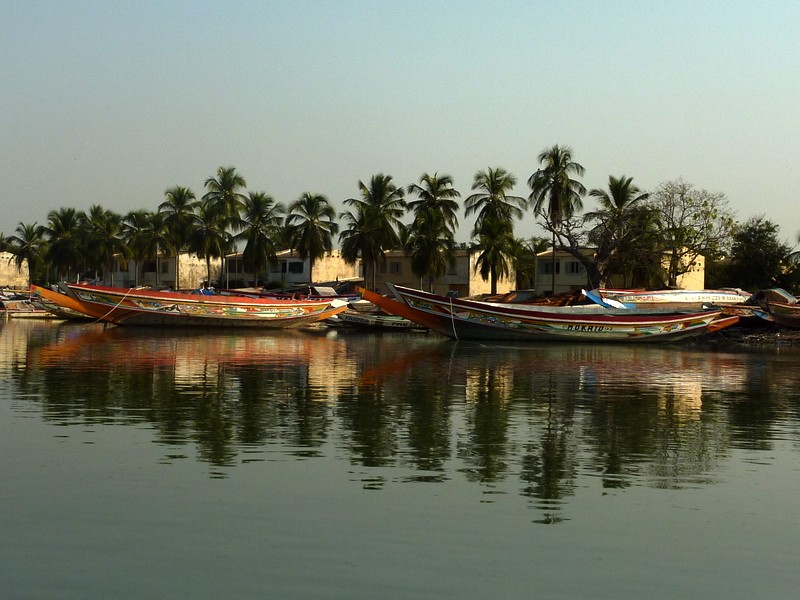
point(113, 308)
point(453, 320)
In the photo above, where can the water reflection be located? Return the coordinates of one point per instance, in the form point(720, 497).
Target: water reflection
point(516, 419)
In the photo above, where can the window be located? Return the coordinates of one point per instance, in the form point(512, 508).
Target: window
point(395, 268)
point(548, 267)
point(574, 267)
point(164, 267)
point(295, 267)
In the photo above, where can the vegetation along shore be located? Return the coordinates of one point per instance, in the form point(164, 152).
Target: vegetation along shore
point(646, 239)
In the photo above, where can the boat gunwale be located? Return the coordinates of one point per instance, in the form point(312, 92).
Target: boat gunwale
point(609, 317)
point(135, 293)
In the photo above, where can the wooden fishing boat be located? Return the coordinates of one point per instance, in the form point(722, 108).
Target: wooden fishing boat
point(676, 296)
point(780, 306)
point(156, 308)
point(470, 319)
point(19, 306)
point(353, 319)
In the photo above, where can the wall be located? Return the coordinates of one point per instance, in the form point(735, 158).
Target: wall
point(10, 275)
point(462, 278)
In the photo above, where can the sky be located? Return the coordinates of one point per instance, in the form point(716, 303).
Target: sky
point(113, 102)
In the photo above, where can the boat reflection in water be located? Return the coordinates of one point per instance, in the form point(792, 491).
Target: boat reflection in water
point(514, 418)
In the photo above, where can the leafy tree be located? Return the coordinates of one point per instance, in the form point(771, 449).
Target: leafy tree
point(261, 223)
point(374, 223)
point(555, 195)
point(28, 246)
point(638, 257)
point(758, 259)
point(691, 223)
point(310, 226)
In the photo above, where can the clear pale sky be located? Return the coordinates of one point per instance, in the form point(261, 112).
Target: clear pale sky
point(112, 103)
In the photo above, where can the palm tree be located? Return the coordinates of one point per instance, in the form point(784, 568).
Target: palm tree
point(311, 227)
point(494, 201)
point(431, 245)
point(614, 219)
point(524, 253)
point(435, 194)
point(432, 232)
point(210, 237)
point(224, 190)
point(135, 232)
point(261, 220)
point(496, 245)
point(104, 232)
point(28, 245)
point(357, 240)
point(157, 241)
point(179, 208)
point(556, 196)
point(374, 224)
point(64, 237)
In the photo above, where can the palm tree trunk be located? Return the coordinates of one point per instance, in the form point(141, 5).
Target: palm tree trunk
point(553, 267)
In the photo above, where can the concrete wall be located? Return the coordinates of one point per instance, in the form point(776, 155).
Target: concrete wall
point(192, 272)
point(462, 278)
point(571, 275)
point(10, 275)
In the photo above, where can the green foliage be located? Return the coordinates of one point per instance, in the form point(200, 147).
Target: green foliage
point(555, 194)
point(310, 227)
point(690, 223)
point(496, 246)
point(431, 236)
point(758, 259)
point(28, 246)
point(261, 221)
point(493, 199)
point(374, 223)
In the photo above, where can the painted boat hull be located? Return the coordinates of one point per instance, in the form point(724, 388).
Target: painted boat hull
point(466, 319)
point(173, 309)
point(355, 320)
point(726, 296)
point(784, 314)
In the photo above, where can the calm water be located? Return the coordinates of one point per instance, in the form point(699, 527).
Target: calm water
point(317, 464)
